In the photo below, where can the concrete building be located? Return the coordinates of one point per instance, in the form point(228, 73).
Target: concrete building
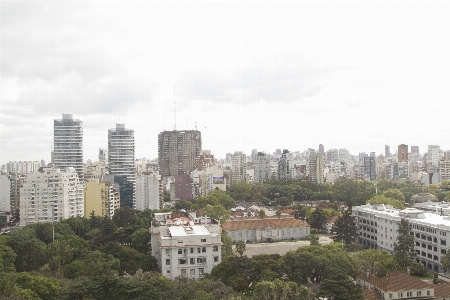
point(285, 166)
point(266, 230)
point(402, 153)
point(316, 168)
point(5, 193)
point(149, 192)
point(121, 163)
point(185, 246)
point(51, 194)
point(444, 170)
point(238, 167)
point(370, 167)
point(378, 229)
point(434, 155)
point(68, 144)
point(205, 160)
point(261, 164)
point(97, 197)
point(415, 149)
point(178, 151)
point(387, 150)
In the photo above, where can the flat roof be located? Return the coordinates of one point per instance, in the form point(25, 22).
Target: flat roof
point(188, 230)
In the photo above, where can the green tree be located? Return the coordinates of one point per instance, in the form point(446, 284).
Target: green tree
point(240, 247)
point(262, 213)
point(140, 240)
point(317, 219)
point(183, 204)
point(166, 196)
point(7, 259)
point(95, 264)
point(235, 271)
point(277, 289)
point(340, 287)
point(445, 261)
point(29, 249)
point(300, 212)
point(314, 263)
point(344, 228)
point(44, 287)
point(257, 191)
point(377, 263)
point(223, 199)
point(395, 194)
point(217, 212)
point(241, 191)
point(382, 199)
point(124, 217)
point(227, 246)
point(404, 247)
point(201, 202)
point(278, 213)
point(79, 225)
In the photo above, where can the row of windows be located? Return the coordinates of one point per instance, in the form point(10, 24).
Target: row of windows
point(409, 294)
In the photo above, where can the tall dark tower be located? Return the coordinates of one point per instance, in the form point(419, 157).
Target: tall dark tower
point(177, 151)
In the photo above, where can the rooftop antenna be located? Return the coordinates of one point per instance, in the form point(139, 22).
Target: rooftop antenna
point(175, 104)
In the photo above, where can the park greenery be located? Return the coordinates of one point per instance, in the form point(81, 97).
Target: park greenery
point(110, 258)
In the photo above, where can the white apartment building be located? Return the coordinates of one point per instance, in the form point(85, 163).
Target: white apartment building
point(185, 246)
point(68, 144)
point(444, 170)
point(434, 155)
point(315, 164)
point(378, 225)
point(149, 192)
point(5, 193)
point(51, 194)
point(238, 167)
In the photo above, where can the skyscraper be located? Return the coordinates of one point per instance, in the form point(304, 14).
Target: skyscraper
point(177, 151)
point(315, 163)
point(402, 153)
point(68, 144)
point(121, 163)
point(238, 167)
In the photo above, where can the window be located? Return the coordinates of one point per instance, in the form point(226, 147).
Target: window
point(192, 272)
point(167, 251)
point(201, 260)
point(390, 296)
point(180, 251)
point(182, 261)
point(183, 272)
point(288, 231)
point(443, 242)
point(216, 248)
point(216, 258)
point(168, 271)
point(268, 233)
point(167, 262)
point(199, 250)
point(204, 249)
point(419, 293)
point(201, 271)
point(192, 250)
point(203, 240)
point(408, 294)
point(192, 261)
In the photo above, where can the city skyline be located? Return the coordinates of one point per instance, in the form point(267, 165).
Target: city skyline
point(248, 75)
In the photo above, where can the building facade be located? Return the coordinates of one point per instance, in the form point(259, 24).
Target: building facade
point(121, 151)
point(378, 226)
point(238, 167)
point(178, 151)
point(402, 153)
point(261, 165)
point(185, 246)
point(68, 144)
point(149, 192)
point(51, 194)
point(316, 168)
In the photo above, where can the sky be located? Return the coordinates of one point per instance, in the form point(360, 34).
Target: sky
point(249, 75)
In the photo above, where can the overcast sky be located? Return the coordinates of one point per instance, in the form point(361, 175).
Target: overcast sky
point(251, 75)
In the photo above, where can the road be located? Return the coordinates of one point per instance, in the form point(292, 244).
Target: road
point(281, 247)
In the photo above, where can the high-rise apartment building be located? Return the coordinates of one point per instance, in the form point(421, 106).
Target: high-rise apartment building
point(51, 194)
point(434, 155)
point(285, 166)
point(387, 150)
point(316, 168)
point(68, 144)
point(177, 151)
point(262, 167)
point(370, 167)
point(402, 153)
point(238, 167)
point(121, 163)
point(415, 149)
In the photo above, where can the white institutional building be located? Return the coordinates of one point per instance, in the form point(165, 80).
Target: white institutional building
point(185, 246)
point(49, 194)
point(377, 226)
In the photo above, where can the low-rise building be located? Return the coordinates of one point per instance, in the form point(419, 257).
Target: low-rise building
point(266, 230)
point(185, 246)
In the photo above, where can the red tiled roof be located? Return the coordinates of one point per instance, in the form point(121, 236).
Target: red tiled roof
point(253, 224)
point(371, 295)
point(442, 290)
point(331, 220)
point(395, 281)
